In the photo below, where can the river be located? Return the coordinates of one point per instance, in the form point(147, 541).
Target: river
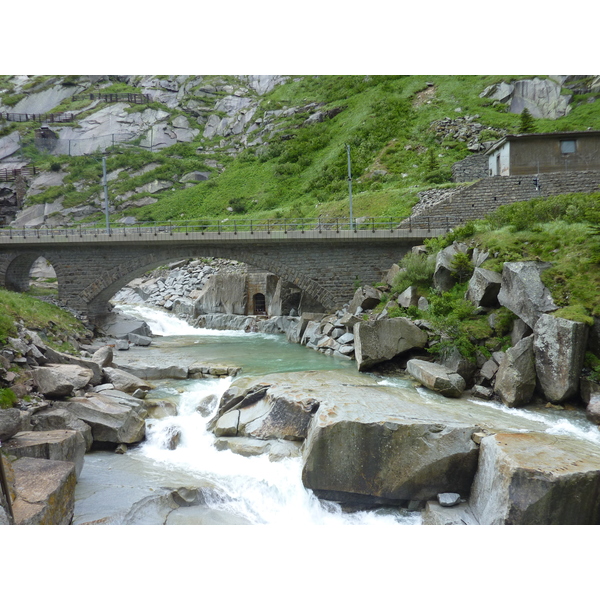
point(132, 488)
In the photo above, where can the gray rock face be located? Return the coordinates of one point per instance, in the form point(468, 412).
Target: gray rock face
point(62, 444)
point(58, 381)
point(516, 376)
point(125, 381)
point(223, 293)
point(436, 377)
point(10, 420)
point(112, 419)
point(484, 287)
point(59, 418)
point(559, 347)
point(378, 341)
point(351, 456)
point(244, 446)
point(542, 97)
point(103, 356)
point(523, 292)
point(365, 298)
point(409, 297)
point(45, 491)
point(536, 479)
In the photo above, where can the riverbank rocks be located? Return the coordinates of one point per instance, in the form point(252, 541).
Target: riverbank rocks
point(116, 419)
point(523, 292)
point(65, 445)
point(516, 375)
point(559, 347)
point(58, 381)
point(45, 491)
point(378, 341)
point(10, 422)
point(484, 287)
point(536, 479)
point(436, 377)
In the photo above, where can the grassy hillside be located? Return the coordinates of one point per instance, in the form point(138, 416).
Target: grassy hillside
point(299, 167)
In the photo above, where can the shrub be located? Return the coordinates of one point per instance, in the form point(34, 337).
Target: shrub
point(417, 270)
point(7, 398)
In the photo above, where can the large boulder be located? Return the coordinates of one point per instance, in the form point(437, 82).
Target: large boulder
point(378, 341)
point(45, 491)
point(444, 275)
point(516, 376)
point(116, 420)
point(366, 297)
point(103, 356)
point(10, 421)
point(536, 479)
point(523, 292)
point(559, 347)
point(58, 418)
point(142, 372)
point(436, 377)
point(484, 287)
point(389, 449)
point(125, 381)
point(58, 381)
point(61, 444)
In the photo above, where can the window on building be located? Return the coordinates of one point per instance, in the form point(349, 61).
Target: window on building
point(567, 146)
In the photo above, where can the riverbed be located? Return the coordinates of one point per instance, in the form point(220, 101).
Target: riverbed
point(139, 486)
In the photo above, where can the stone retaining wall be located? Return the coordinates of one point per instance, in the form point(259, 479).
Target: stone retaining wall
point(484, 196)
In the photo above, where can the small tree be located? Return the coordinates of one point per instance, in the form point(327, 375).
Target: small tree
point(526, 124)
point(462, 267)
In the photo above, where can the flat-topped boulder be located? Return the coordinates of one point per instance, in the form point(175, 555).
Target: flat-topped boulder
point(116, 420)
point(125, 381)
point(537, 479)
point(61, 444)
point(436, 377)
point(58, 380)
point(379, 341)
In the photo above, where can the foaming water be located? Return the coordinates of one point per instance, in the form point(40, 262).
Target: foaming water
point(576, 426)
point(251, 488)
point(165, 324)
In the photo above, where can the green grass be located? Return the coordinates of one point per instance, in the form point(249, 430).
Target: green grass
point(36, 315)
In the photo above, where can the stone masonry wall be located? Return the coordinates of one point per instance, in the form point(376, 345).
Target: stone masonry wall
point(471, 168)
point(484, 196)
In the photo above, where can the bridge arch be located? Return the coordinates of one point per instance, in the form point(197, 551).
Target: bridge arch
point(96, 295)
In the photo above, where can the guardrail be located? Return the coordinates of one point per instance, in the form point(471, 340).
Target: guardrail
point(203, 226)
point(59, 117)
point(121, 97)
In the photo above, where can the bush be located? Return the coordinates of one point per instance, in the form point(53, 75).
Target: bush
point(7, 398)
point(417, 270)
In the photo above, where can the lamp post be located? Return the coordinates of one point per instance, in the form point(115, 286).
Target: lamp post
point(105, 194)
point(350, 185)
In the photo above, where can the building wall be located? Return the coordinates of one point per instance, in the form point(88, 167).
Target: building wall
point(526, 154)
point(499, 161)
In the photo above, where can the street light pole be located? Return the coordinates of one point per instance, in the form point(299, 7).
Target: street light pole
point(350, 185)
point(105, 194)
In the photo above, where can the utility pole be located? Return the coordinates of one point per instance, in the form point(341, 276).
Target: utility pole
point(105, 194)
point(350, 185)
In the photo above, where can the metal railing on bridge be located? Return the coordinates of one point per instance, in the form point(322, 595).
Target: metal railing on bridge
point(235, 226)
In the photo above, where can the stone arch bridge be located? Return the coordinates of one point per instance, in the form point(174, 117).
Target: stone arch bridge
point(91, 265)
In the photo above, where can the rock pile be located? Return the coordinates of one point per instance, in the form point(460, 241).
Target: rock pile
point(466, 129)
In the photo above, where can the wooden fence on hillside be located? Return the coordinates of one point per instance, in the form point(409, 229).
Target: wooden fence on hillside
point(59, 117)
point(132, 98)
point(12, 174)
